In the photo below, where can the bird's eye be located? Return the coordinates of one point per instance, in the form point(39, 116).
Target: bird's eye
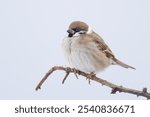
point(77, 30)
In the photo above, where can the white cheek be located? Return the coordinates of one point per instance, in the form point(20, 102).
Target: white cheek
point(89, 30)
point(76, 34)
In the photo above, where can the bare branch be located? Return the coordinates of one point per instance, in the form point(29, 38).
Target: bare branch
point(114, 87)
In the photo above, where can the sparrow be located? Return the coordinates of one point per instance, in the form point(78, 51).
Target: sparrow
point(86, 50)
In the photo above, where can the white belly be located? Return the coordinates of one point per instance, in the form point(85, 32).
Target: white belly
point(82, 58)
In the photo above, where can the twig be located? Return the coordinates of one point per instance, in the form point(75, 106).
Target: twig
point(114, 87)
point(67, 74)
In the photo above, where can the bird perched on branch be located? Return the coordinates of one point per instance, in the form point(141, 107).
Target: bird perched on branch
point(87, 51)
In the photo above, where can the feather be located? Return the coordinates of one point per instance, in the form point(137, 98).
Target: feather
point(118, 62)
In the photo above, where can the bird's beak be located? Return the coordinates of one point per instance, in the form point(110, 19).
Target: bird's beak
point(71, 32)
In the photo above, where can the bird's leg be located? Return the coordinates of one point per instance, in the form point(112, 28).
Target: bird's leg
point(90, 76)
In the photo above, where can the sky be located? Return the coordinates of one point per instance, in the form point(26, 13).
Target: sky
point(31, 33)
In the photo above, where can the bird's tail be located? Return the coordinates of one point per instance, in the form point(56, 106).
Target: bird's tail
point(118, 62)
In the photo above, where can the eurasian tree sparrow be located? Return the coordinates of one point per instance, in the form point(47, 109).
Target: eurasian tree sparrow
point(87, 51)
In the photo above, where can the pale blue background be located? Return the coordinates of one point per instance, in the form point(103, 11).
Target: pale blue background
point(31, 32)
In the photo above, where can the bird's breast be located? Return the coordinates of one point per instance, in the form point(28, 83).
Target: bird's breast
point(84, 56)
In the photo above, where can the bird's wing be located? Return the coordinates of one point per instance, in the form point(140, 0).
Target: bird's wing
point(107, 51)
point(102, 45)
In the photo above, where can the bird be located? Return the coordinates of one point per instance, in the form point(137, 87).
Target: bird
point(85, 50)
